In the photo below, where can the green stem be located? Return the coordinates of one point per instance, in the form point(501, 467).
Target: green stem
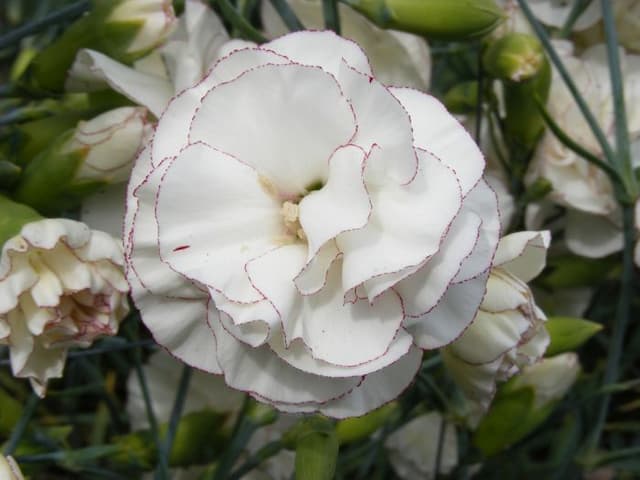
point(579, 6)
point(21, 426)
point(287, 14)
point(264, 453)
point(568, 81)
point(176, 412)
point(621, 320)
point(623, 149)
point(239, 22)
point(70, 12)
point(331, 15)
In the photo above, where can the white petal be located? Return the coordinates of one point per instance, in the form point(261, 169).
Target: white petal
point(382, 121)
point(482, 201)
point(231, 219)
point(407, 225)
point(437, 131)
point(173, 126)
point(259, 371)
point(91, 67)
point(179, 325)
point(523, 254)
point(455, 311)
point(287, 145)
point(313, 276)
point(105, 209)
point(422, 290)
point(377, 388)
point(592, 236)
point(325, 49)
point(341, 204)
point(298, 356)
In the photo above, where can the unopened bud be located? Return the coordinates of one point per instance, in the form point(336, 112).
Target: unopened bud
point(437, 19)
point(97, 152)
point(462, 98)
point(515, 57)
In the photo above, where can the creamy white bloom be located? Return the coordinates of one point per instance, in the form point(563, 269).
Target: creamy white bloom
point(9, 469)
point(413, 448)
point(291, 207)
point(397, 58)
point(508, 331)
point(61, 286)
point(550, 12)
point(198, 40)
point(155, 16)
point(109, 144)
point(593, 218)
point(550, 378)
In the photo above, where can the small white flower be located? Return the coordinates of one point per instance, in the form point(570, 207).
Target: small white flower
point(508, 331)
point(308, 227)
point(550, 378)
point(397, 58)
point(9, 469)
point(155, 16)
point(413, 448)
point(61, 286)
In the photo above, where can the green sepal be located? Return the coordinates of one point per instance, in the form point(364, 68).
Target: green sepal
point(316, 445)
point(47, 183)
point(358, 428)
point(457, 20)
point(14, 217)
point(48, 70)
point(462, 98)
point(9, 174)
point(511, 417)
point(568, 333)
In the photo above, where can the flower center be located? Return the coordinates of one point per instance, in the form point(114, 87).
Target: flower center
point(291, 217)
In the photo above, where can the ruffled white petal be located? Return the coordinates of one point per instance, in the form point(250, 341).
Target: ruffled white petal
point(592, 236)
point(523, 254)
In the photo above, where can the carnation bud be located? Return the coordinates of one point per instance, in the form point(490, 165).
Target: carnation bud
point(515, 57)
point(97, 152)
point(124, 30)
point(354, 429)
point(462, 98)
point(437, 19)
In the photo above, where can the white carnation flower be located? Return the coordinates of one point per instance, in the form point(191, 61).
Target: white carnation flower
point(593, 223)
point(61, 286)
point(304, 230)
point(508, 331)
point(397, 58)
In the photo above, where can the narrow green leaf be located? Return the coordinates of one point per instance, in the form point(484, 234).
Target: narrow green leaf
point(287, 14)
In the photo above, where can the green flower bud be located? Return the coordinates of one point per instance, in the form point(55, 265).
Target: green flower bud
point(462, 98)
point(437, 19)
point(515, 57)
point(14, 217)
point(124, 30)
point(97, 152)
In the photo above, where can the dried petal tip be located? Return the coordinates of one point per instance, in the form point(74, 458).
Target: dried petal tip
point(515, 57)
point(438, 19)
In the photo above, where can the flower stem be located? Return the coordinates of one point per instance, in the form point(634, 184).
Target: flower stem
point(21, 426)
point(331, 15)
point(264, 453)
point(287, 15)
point(623, 150)
point(176, 412)
point(621, 321)
point(239, 22)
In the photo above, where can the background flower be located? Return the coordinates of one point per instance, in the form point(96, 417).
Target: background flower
point(286, 277)
point(61, 286)
point(508, 331)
